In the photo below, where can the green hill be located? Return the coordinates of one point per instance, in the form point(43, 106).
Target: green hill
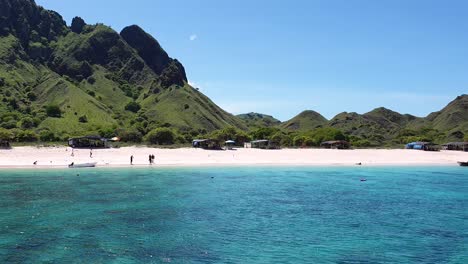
point(100, 79)
point(57, 81)
point(453, 117)
point(383, 126)
point(306, 120)
point(256, 120)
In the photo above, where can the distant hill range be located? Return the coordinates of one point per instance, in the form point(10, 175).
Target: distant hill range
point(383, 125)
point(82, 79)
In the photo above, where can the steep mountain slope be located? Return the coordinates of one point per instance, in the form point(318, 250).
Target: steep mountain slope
point(306, 120)
point(256, 120)
point(453, 117)
point(100, 79)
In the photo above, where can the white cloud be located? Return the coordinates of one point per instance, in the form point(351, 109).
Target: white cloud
point(193, 37)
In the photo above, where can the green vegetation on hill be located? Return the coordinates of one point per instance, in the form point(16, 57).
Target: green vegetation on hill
point(253, 120)
point(58, 81)
point(306, 120)
point(383, 127)
point(94, 80)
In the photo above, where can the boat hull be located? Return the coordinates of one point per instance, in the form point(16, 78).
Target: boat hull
point(83, 165)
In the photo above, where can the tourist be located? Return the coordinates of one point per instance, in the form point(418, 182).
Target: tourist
point(131, 160)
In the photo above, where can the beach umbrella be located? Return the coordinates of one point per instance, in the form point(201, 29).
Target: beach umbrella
point(230, 142)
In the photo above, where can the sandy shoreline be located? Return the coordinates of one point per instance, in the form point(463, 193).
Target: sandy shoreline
point(60, 157)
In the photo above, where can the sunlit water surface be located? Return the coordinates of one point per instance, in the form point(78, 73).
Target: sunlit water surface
point(235, 215)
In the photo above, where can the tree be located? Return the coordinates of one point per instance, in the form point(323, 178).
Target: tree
point(161, 136)
point(303, 141)
point(133, 107)
point(27, 122)
point(131, 135)
point(5, 134)
point(47, 136)
point(53, 111)
point(106, 132)
point(26, 136)
point(263, 132)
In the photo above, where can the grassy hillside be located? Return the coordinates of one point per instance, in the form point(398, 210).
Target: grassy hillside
point(384, 127)
point(99, 79)
point(306, 120)
point(256, 120)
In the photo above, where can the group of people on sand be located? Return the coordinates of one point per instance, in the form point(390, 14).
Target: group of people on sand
point(151, 158)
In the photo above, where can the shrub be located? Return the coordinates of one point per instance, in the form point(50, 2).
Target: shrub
point(161, 136)
point(133, 107)
point(106, 132)
point(32, 96)
point(303, 141)
point(27, 122)
point(53, 111)
point(362, 143)
point(13, 103)
point(9, 124)
point(47, 136)
point(5, 134)
point(26, 136)
point(263, 132)
point(281, 139)
point(83, 119)
point(131, 135)
point(91, 80)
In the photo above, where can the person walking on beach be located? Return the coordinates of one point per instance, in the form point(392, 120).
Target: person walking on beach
point(149, 159)
point(73, 153)
point(152, 158)
point(131, 160)
point(91, 153)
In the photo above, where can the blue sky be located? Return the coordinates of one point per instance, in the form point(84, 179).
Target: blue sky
point(282, 57)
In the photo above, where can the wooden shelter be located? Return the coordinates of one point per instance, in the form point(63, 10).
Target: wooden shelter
point(460, 146)
point(229, 144)
point(206, 144)
point(89, 142)
point(263, 144)
point(335, 144)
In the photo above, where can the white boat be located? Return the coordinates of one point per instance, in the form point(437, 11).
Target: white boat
point(82, 165)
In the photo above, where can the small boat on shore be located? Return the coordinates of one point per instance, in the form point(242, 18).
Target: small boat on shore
point(82, 165)
point(463, 163)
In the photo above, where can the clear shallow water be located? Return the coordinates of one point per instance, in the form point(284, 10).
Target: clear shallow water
point(235, 215)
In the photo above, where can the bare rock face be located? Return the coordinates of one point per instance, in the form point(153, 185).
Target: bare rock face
point(29, 22)
point(170, 71)
point(77, 25)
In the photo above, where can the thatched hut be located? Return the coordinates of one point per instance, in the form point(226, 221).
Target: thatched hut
point(335, 144)
point(460, 146)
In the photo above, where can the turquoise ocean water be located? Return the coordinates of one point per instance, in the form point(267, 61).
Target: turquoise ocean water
point(235, 215)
